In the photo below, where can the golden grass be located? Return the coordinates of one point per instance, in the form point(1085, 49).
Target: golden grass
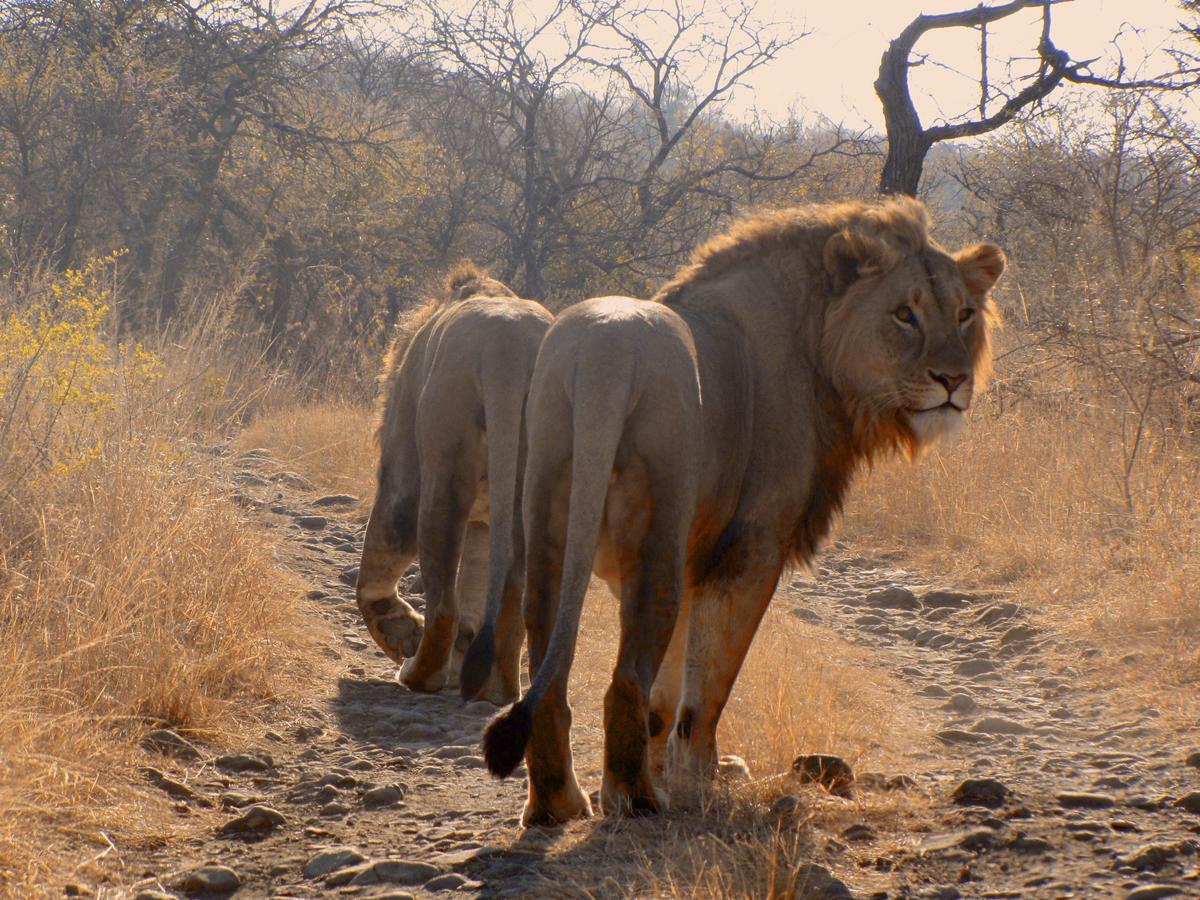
point(1041, 499)
point(133, 593)
point(332, 444)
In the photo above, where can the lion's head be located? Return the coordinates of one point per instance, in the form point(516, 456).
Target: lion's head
point(906, 337)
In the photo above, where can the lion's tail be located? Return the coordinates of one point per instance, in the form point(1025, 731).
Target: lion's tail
point(503, 404)
point(598, 425)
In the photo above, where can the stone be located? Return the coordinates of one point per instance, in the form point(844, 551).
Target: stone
point(382, 796)
point(978, 838)
point(960, 703)
point(349, 576)
point(860, 831)
point(336, 500)
point(392, 871)
point(812, 882)
point(331, 859)
point(1018, 636)
point(312, 523)
point(1189, 802)
point(169, 785)
point(977, 666)
point(1151, 857)
point(999, 725)
point(997, 612)
point(256, 818)
point(243, 762)
point(293, 480)
point(169, 743)
point(1153, 891)
point(894, 597)
point(946, 599)
point(958, 736)
point(153, 895)
point(831, 772)
point(1084, 800)
point(981, 792)
point(733, 769)
point(787, 805)
point(209, 880)
point(1193, 759)
point(451, 881)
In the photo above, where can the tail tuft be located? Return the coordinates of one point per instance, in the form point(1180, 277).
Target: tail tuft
point(505, 739)
point(477, 664)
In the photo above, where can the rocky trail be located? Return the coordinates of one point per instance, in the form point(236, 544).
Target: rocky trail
point(1039, 787)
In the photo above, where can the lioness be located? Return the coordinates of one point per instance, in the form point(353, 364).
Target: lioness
point(691, 446)
point(451, 454)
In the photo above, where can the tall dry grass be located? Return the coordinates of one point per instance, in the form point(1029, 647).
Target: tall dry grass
point(1083, 505)
point(133, 594)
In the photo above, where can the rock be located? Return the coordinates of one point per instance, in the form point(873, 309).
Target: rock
point(960, 703)
point(292, 479)
point(958, 736)
point(733, 769)
point(1193, 759)
point(451, 881)
point(831, 772)
point(312, 523)
point(977, 666)
point(1026, 844)
point(785, 805)
point(168, 743)
point(251, 478)
point(335, 808)
point(860, 831)
point(1084, 800)
point(385, 795)
point(1153, 891)
point(256, 818)
point(997, 612)
point(237, 799)
point(804, 614)
point(981, 792)
point(934, 690)
point(391, 871)
point(331, 859)
point(894, 597)
point(1189, 802)
point(336, 500)
point(416, 584)
point(349, 576)
point(209, 880)
point(169, 785)
point(812, 882)
point(968, 839)
point(1018, 636)
point(421, 733)
point(153, 895)
point(946, 599)
point(243, 762)
point(999, 725)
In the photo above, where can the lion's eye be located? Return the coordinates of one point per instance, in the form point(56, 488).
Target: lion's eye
point(965, 315)
point(905, 315)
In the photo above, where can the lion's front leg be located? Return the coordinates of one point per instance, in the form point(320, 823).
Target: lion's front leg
point(722, 622)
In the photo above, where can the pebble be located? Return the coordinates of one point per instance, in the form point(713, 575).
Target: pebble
point(958, 736)
point(349, 576)
point(390, 871)
point(997, 612)
point(209, 880)
point(1193, 759)
point(967, 839)
point(977, 666)
point(894, 597)
point(981, 791)
point(256, 818)
point(385, 795)
point(451, 881)
point(831, 772)
point(860, 831)
point(331, 859)
point(169, 785)
point(946, 599)
point(999, 725)
point(1084, 800)
point(243, 762)
point(960, 703)
point(1189, 802)
point(336, 500)
point(812, 882)
point(312, 523)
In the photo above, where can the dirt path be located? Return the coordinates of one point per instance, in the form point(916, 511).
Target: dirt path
point(370, 790)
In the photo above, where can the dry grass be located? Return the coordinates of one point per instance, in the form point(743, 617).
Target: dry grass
point(331, 444)
point(132, 593)
point(1042, 499)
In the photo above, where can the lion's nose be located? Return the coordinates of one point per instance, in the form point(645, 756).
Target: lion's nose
point(949, 382)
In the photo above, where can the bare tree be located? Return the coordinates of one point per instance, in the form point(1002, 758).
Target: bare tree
point(909, 140)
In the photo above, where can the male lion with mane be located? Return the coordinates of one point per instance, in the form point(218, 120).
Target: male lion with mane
point(451, 438)
point(690, 447)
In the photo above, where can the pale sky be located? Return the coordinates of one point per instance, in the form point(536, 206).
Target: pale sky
point(832, 70)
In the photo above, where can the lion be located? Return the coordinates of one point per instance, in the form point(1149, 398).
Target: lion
point(451, 438)
point(690, 447)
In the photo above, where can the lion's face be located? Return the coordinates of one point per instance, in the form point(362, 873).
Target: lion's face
point(907, 342)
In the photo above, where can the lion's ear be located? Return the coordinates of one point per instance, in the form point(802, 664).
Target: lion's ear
point(850, 255)
point(981, 266)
